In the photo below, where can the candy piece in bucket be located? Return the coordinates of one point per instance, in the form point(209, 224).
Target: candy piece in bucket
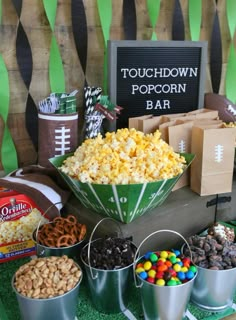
point(212, 252)
point(110, 253)
point(61, 232)
point(169, 268)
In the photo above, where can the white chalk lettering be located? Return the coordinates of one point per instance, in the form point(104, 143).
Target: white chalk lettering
point(159, 104)
point(158, 88)
point(159, 72)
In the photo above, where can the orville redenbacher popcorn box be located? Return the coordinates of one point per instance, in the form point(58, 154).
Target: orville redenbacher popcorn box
point(19, 217)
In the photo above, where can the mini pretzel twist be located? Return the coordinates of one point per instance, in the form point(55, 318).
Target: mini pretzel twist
point(61, 232)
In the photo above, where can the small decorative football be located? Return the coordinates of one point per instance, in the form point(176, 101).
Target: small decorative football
point(226, 108)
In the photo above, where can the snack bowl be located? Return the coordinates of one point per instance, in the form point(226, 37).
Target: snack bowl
point(123, 202)
point(34, 285)
point(50, 246)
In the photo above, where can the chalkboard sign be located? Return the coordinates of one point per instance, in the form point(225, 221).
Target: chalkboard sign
point(156, 77)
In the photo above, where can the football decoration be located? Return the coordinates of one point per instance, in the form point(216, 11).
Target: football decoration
point(226, 108)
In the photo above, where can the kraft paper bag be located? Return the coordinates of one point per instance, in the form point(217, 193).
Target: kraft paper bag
point(163, 128)
point(180, 137)
point(146, 124)
point(172, 117)
point(212, 169)
point(134, 122)
point(149, 125)
point(205, 113)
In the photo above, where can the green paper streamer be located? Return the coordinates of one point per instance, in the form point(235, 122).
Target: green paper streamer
point(195, 16)
point(231, 9)
point(0, 11)
point(57, 77)
point(230, 78)
point(105, 14)
point(50, 7)
point(56, 71)
point(153, 11)
point(8, 151)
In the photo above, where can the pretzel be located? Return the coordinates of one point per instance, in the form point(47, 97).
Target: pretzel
point(71, 219)
point(59, 229)
point(82, 232)
point(61, 232)
point(49, 242)
point(65, 241)
point(40, 237)
point(58, 219)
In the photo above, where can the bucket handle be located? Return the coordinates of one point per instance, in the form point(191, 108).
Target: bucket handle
point(94, 276)
point(144, 240)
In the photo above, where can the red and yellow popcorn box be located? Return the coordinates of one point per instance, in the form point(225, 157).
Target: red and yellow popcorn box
point(5, 192)
point(19, 216)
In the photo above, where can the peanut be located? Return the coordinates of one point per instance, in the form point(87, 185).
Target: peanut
point(48, 277)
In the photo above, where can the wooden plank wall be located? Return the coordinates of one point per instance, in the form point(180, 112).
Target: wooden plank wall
point(36, 26)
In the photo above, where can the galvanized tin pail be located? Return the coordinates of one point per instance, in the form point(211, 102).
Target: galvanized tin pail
point(60, 308)
point(213, 290)
point(163, 302)
point(72, 251)
point(109, 289)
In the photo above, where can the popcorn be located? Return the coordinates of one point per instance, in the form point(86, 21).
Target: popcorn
point(124, 157)
point(21, 229)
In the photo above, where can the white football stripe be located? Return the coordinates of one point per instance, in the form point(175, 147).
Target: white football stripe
point(139, 200)
point(117, 201)
point(158, 192)
point(96, 196)
point(57, 118)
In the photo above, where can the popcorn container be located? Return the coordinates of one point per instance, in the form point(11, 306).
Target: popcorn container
point(163, 302)
point(109, 289)
point(122, 202)
point(214, 290)
point(62, 307)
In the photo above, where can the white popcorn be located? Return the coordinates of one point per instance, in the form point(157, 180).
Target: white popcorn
point(21, 229)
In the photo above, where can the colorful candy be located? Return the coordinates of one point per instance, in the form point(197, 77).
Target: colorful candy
point(165, 268)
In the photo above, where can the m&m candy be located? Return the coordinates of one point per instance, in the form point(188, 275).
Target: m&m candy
point(165, 268)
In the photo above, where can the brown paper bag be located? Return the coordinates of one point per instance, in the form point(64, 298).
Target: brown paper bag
point(211, 172)
point(134, 122)
point(180, 136)
point(163, 128)
point(149, 125)
point(171, 117)
point(205, 113)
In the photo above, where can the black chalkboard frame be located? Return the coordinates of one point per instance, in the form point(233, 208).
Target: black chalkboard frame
point(114, 45)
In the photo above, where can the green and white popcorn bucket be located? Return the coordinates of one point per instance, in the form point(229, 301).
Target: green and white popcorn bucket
point(124, 202)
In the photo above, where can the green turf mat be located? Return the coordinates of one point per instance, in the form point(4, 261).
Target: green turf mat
point(9, 307)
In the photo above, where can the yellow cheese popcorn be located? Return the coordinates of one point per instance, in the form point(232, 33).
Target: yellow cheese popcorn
point(126, 156)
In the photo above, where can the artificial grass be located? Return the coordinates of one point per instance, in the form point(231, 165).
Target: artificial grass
point(9, 309)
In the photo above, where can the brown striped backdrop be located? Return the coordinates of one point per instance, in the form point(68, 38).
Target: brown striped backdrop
point(36, 27)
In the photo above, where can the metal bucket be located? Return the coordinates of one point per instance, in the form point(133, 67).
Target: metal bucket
point(163, 302)
point(45, 251)
point(70, 251)
point(60, 308)
point(213, 290)
point(109, 289)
